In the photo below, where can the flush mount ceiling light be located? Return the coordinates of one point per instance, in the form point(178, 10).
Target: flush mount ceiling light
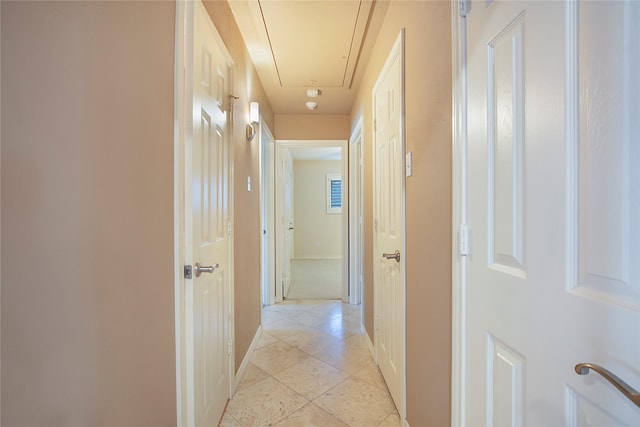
point(311, 105)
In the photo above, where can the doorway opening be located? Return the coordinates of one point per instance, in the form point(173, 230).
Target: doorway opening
point(311, 221)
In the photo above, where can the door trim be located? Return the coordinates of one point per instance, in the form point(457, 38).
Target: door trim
point(356, 204)
point(458, 262)
point(398, 49)
point(183, 38)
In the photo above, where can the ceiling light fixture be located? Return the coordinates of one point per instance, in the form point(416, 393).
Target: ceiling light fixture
point(311, 105)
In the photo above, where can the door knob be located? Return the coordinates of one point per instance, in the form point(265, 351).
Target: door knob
point(199, 268)
point(395, 255)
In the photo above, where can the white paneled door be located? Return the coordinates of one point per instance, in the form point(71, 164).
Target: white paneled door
point(389, 223)
point(553, 276)
point(208, 294)
point(284, 222)
point(287, 220)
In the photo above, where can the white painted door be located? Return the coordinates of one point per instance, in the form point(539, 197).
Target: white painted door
point(354, 290)
point(268, 242)
point(389, 222)
point(287, 220)
point(209, 299)
point(553, 276)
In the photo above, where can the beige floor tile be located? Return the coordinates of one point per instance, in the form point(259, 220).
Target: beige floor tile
point(312, 341)
point(357, 403)
point(228, 421)
point(337, 309)
point(264, 340)
point(347, 356)
point(354, 315)
point(311, 377)
point(281, 329)
point(392, 420)
point(271, 316)
point(294, 362)
point(339, 327)
point(252, 375)
point(290, 307)
point(309, 319)
point(372, 375)
point(311, 416)
point(277, 357)
point(264, 403)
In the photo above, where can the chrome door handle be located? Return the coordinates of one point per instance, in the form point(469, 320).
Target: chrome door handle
point(395, 255)
point(199, 268)
point(629, 392)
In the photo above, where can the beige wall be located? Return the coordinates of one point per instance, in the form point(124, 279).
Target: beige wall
point(87, 214)
point(318, 234)
point(247, 228)
point(312, 126)
point(428, 200)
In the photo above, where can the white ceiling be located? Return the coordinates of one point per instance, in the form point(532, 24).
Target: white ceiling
point(296, 45)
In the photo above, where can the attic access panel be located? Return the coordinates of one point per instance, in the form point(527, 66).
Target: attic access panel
point(315, 43)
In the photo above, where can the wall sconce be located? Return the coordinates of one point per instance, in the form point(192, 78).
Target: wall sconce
point(254, 118)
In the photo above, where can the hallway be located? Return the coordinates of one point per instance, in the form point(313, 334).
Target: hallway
point(311, 367)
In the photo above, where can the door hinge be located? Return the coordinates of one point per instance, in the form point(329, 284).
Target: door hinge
point(230, 351)
point(464, 236)
point(188, 272)
point(464, 6)
point(229, 227)
point(375, 125)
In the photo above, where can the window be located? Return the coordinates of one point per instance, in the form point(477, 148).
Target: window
point(334, 193)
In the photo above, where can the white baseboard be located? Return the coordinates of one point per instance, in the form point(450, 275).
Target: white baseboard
point(369, 344)
point(247, 358)
point(315, 258)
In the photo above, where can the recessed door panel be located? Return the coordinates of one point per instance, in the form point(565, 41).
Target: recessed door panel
point(505, 141)
point(606, 177)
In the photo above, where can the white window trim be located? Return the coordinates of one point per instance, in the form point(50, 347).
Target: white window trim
point(334, 177)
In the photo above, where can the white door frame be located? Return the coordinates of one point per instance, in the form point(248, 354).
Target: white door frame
point(183, 86)
point(459, 262)
point(267, 218)
point(342, 144)
point(356, 204)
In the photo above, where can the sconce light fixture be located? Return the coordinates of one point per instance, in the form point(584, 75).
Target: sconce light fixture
point(254, 118)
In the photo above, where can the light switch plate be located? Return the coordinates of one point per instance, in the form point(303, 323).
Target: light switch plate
point(248, 183)
point(408, 164)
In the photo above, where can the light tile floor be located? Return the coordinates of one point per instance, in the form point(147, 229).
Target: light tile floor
point(311, 367)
